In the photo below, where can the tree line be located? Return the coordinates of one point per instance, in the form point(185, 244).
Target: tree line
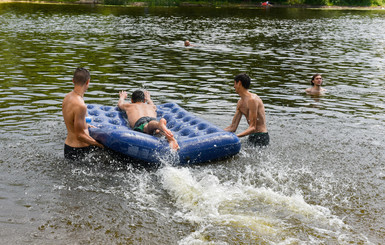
point(332, 2)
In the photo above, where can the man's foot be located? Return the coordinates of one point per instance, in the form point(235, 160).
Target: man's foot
point(173, 144)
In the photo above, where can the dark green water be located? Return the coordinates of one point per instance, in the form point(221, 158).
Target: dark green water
point(321, 181)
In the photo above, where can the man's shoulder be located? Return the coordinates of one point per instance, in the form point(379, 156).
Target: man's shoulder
point(256, 98)
point(74, 103)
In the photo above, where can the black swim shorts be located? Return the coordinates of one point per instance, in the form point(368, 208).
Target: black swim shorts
point(143, 121)
point(77, 153)
point(259, 139)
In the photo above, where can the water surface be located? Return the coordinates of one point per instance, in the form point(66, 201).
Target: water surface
point(321, 181)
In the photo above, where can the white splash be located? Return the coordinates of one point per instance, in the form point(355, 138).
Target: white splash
point(232, 206)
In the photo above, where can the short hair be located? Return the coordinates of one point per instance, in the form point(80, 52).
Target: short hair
point(81, 76)
point(244, 78)
point(137, 96)
point(313, 77)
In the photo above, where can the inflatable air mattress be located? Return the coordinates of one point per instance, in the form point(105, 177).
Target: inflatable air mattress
point(199, 140)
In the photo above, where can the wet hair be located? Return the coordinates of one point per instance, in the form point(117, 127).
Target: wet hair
point(244, 78)
point(81, 76)
point(137, 96)
point(313, 77)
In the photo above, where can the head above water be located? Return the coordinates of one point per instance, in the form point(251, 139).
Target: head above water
point(244, 79)
point(81, 76)
point(314, 77)
point(187, 43)
point(138, 96)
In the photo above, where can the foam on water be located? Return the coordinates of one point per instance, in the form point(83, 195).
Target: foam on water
point(259, 213)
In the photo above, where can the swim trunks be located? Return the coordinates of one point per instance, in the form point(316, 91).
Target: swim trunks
point(259, 139)
point(142, 122)
point(77, 153)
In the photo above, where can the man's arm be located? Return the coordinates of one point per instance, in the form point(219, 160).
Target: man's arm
point(80, 126)
point(122, 97)
point(252, 120)
point(235, 122)
point(147, 97)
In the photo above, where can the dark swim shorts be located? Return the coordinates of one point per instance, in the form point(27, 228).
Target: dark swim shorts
point(143, 121)
point(77, 153)
point(259, 139)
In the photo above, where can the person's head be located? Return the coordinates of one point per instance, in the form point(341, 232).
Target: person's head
point(316, 80)
point(187, 43)
point(138, 96)
point(244, 79)
point(81, 76)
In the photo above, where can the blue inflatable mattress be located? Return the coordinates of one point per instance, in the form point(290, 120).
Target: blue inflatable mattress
point(199, 140)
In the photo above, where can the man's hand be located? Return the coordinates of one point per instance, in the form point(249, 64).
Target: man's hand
point(123, 94)
point(146, 95)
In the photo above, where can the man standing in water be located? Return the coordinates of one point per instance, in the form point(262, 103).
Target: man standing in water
point(78, 142)
point(251, 106)
point(141, 114)
point(316, 82)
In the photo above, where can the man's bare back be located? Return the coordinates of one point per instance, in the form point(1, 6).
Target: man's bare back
point(138, 110)
point(74, 110)
point(253, 102)
point(142, 111)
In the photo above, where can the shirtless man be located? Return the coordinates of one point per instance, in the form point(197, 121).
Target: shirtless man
point(316, 82)
point(141, 114)
point(251, 106)
point(78, 142)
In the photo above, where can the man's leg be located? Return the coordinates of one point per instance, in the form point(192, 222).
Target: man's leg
point(161, 125)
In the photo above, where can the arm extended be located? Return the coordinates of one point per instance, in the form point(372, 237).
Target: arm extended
point(81, 128)
point(252, 119)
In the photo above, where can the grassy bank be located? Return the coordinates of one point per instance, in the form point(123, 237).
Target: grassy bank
point(274, 3)
point(222, 3)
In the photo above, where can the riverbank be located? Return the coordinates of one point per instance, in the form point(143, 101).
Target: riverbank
point(193, 4)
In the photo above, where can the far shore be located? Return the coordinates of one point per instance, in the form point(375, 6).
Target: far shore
point(191, 4)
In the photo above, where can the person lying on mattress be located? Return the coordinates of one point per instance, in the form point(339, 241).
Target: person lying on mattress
point(141, 114)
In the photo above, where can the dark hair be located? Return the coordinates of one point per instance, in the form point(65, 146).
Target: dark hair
point(137, 96)
point(314, 76)
point(81, 76)
point(245, 80)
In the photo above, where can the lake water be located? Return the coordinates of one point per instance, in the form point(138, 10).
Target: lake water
point(321, 180)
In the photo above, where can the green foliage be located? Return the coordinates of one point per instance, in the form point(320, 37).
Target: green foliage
point(115, 2)
point(283, 2)
point(317, 2)
point(223, 2)
point(350, 2)
point(294, 2)
point(333, 2)
point(357, 2)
